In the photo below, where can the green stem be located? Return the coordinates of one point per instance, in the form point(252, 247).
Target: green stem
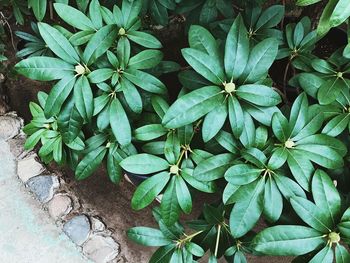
point(217, 241)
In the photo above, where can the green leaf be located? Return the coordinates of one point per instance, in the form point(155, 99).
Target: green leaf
point(58, 43)
point(270, 17)
point(44, 68)
point(288, 187)
point(206, 187)
point(58, 94)
point(323, 256)
point(323, 155)
point(83, 98)
point(162, 254)
point(336, 125)
point(301, 168)
point(147, 236)
point(273, 202)
point(278, 158)
point(183, 195)
point(194, 249)
point(69, 122)
point(130, 11)
point(100, 75)
point(236, 49)
point(192, 106)
point(214, 167)
point(33, 139)
point(80, 20)
point(326, 195)
point(307, 2)
point(322, 66)
point(241, 174)
point(149, 132)
point(205, 65)
point(201, 39)
point(280, 127)
point(330, 90)
point(144, 164)
point(341, 254)
point(288, 240)
point(149, 189)
point(145, 81)
point(114, 170)
point(311, 214)
point(90, 163)
point(100, 43)
point(119, 123)
point(169, 206)
point(144, 39)
point(260, 59)
point(247, 211)
point(39, 8)
point(258, 94)
point(213, 122)
point(95, 13)
point(132, 95)
point(236, 116)
point(299, 114)
point(145, 59)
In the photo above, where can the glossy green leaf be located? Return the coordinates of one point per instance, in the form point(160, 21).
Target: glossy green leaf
point(99, 43)
point(80, 20)
point(90, 163)
point(241, 174)
point(273, 202)
point(214, 167)
point(145, 59)
point(149, 189)
point(247, 211)
point(280, 127)
point(325, 255)
point(326, 195)
point(169, 206)
point(258, 94)
point(149, 132)
point(58, 94)
point(145, 81)
point(183, 195)
point(44, 68)
point(236, 49)
point(213, 122)
point(58, 43)
point(144, 164)
point(192, 106)
point(341, 254)
point(83, 98)
point(119, 123)
point(144, 39)
point(236, 116)
point(311, 214)
point(204, 64)
point(288, 240)
point(147, 236)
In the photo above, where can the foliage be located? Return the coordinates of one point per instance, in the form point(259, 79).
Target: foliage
point(234, 132)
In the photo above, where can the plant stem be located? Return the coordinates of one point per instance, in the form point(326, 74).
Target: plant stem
point(217, 241)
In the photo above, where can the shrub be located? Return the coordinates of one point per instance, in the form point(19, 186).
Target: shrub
point(234, 132)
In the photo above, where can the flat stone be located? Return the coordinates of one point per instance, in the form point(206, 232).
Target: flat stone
point(29, 167)
point(17, 146)
point(97, 224)
point(101, 249)
point(59, 206)
point(77, 229)
point(43, 186)
point(10, 126)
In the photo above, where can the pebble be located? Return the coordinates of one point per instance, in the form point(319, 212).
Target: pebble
point(29, 167)
point(10, 126)
point(78, 229)
point(43, 186)
point(101, 249)
point(60, 206)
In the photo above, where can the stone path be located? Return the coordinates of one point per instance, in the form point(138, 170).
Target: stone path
point(27, 234)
